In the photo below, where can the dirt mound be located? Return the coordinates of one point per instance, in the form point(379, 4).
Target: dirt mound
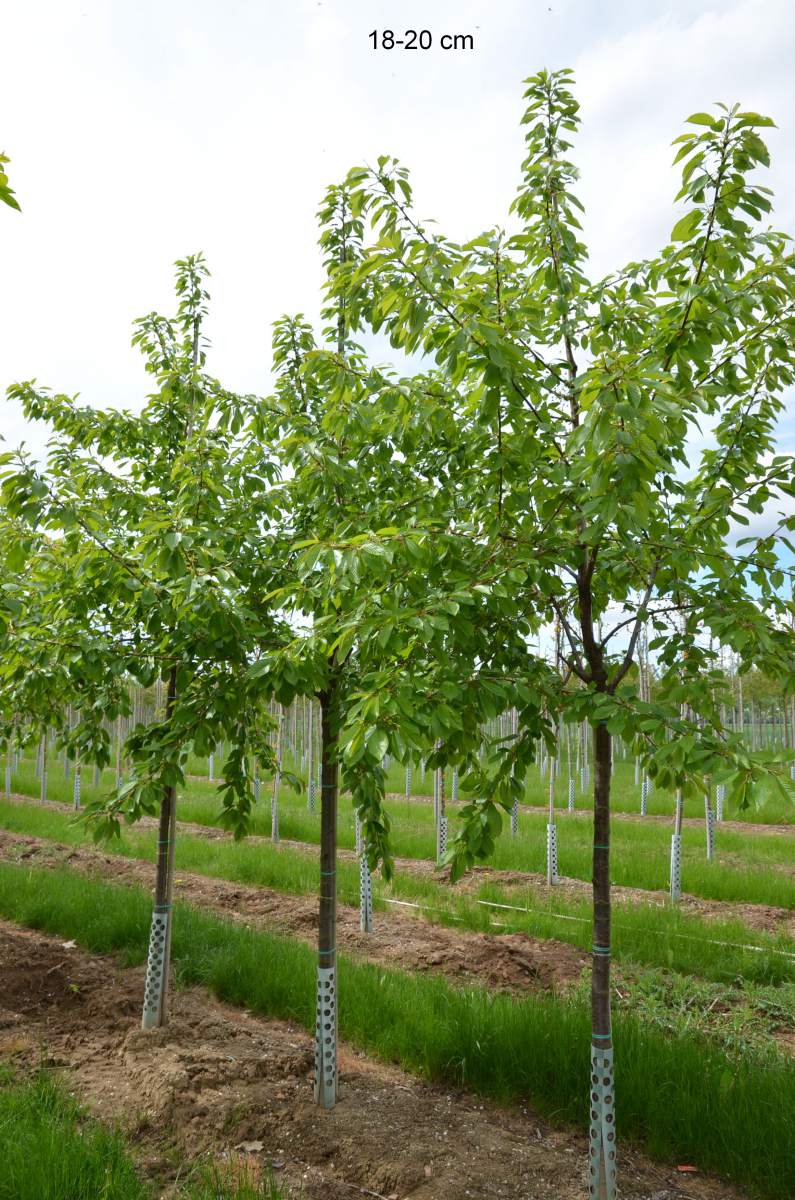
point(220, 1083)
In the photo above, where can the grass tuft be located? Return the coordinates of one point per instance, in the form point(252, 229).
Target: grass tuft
point(677, 1094)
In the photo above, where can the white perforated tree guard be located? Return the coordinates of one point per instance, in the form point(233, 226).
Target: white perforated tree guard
point(310, 800)
point(602, 1147)
point(583, 779)
point(514, 818)
point(408, 782)
point(76, 788)
point(365, 895)
point(441, 838)
point(644, 796)
point(709, 818)
point(156, 969)
point(571, 794)
point(357, 828)
point(676, 867)
point(274, 817)
point(326, 1038)
point(211, 767)
point(455, 787)
point(552, 854)
point(720, 796)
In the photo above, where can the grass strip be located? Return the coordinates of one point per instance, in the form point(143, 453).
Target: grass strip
point(749, 868)
point(646, 934)
point(50, 1149)
point(677, 1095)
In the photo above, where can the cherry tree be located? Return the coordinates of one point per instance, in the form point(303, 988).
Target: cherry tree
point(626, 424)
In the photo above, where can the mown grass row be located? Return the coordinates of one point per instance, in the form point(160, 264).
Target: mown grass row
point(625, 793)
point(50, 1149)
point(677, 1095)
point(648, 935)
point(753, 869)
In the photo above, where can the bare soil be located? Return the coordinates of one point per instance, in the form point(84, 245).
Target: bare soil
point(506, 962)
point(219, 1083)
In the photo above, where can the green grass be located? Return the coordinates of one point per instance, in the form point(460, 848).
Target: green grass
point(50, 1149)
point(750, 868)
point(676, 1093)
point(645, 935)
point(625, 792)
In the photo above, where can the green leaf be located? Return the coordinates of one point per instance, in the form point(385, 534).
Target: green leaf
point(377, 744)
point(687, 226)
point(702, 118)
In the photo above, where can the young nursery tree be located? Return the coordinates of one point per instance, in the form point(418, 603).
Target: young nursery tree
point(336, 420)
point(156, 523)
point(362, 448)
point(630, 423)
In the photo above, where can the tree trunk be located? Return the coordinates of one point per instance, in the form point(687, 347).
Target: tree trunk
point(602, 1165)
point(277, 778)
point(310, 770)
point(326, 1028)
point(155, 1011)
point(118, 752)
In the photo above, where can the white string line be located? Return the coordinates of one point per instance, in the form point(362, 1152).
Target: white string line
point(587, 920)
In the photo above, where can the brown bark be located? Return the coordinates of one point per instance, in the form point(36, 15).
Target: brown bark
point(326, 1077)
point(600, 978)
point(329, 787)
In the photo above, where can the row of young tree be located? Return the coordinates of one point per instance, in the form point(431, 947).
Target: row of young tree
point(760, 712)
point(392, 544)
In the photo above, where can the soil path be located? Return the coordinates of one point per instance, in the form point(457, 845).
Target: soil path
point(223, 1084)
point(507, 962)
point(762, 917)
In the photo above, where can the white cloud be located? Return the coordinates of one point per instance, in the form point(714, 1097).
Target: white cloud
point(140, 133)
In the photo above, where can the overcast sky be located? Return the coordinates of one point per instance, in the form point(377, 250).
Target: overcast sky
point(142, 132)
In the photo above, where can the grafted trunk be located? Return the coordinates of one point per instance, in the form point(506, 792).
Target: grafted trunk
point(43, 773)
point(326, 1085)
point(155, 1011)
point(310, 770)
point(602, 1165)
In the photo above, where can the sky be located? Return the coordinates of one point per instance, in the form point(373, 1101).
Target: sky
point(140, 133)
